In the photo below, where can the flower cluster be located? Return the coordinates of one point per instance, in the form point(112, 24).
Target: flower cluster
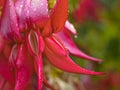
point(30, 31)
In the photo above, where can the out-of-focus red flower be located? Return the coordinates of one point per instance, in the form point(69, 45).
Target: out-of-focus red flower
point(87, 9)
point(110, 81)
point(27, 33)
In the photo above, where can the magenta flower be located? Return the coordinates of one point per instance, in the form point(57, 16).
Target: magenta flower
point(28, 31)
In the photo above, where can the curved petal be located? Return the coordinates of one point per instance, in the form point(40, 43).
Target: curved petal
point(73, 49)
point(31, 11)
point(8, 24)
point(59, 15)
point(24, 68)
point(54, 53)
point(6, 71)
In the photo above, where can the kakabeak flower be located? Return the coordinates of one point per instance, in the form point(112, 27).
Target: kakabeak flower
point(28, 31)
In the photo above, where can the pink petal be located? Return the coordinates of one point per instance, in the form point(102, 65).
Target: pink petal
point(59, 15)
point(31, 11)
point(54, 52)
point(69, 26)
point(70, 45)
point(24, 68)
point(6, 71)
point(8, 24)
point(38, 61)
point(39, 10)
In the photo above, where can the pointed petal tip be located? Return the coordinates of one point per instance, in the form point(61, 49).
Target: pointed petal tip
point(97, 73)
point(81, 70)
point(82, 55)
point(99, 61)
point(95, 60)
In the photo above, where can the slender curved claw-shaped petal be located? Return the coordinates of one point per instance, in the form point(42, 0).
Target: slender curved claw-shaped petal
point(31, 11)
point(6, 71)
point(60, 10)
point(61, 60)
point(8, 25)
point(70, 45)
point(24, 68)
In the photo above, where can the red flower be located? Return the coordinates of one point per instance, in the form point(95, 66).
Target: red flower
point(28, 32)
point(88, 9)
